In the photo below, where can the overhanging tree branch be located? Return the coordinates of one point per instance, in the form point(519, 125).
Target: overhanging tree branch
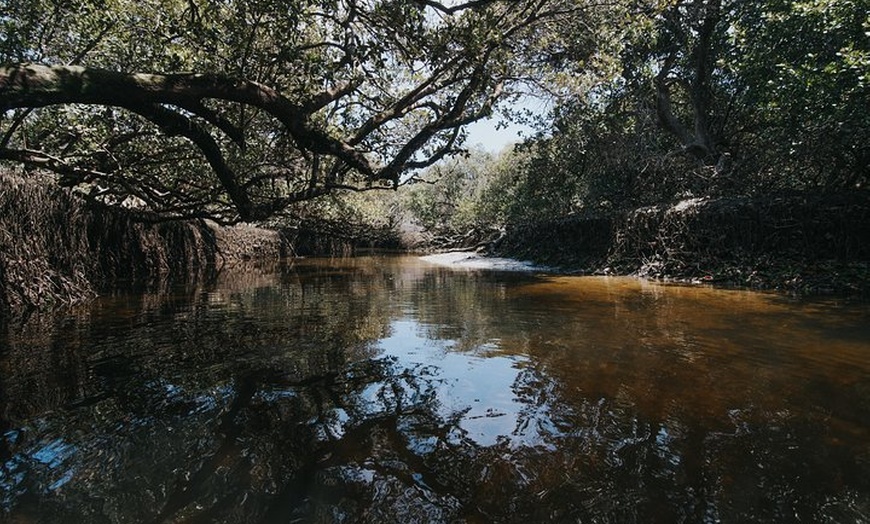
point(35, 85)
point(356, 97)
point(174, 123)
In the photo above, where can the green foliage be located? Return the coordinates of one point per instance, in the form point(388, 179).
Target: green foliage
point(805, 73)
point(655, 100)
point(447, 197)
point(775, 98)
point(376, 90)
point(779, 86)
point(370, 211)
point(688, 98)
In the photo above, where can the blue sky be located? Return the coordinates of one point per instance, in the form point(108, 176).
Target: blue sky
point(485, 134)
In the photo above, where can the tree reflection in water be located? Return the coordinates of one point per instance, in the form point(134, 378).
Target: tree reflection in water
point(384, 390)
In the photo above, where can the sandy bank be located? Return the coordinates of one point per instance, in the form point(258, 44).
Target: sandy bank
point(471, 260)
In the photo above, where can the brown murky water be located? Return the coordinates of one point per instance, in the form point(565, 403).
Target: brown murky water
point(391, 390)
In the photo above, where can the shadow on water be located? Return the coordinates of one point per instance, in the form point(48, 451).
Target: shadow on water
point(388, 390)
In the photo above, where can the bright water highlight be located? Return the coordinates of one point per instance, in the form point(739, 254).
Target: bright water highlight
point(389, 389)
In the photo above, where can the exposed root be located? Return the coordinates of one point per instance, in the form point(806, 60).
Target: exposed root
point(55, 250)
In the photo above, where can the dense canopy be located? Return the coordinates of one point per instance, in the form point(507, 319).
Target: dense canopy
point(235, 110)
point(239, 110)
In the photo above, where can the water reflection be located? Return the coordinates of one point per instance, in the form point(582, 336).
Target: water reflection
point(388, 390)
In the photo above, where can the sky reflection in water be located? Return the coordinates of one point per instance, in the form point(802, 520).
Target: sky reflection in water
point(390, 390)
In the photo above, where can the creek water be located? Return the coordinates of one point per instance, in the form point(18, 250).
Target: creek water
point(387, 389)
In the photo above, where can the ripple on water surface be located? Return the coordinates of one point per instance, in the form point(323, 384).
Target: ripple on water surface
point(392, 389)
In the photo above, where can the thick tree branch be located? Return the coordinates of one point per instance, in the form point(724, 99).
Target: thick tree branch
point(216, 119)
point(700, 93)
point(173, 123)
point(700, 142)
point(449, 10)
point(664, 109)
point(34, 85)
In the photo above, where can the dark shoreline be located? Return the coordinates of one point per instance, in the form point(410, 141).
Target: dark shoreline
point(808, 244)
point(57, 251)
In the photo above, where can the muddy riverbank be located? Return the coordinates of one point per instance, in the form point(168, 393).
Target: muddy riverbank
point(797, 243)
point(56, 249)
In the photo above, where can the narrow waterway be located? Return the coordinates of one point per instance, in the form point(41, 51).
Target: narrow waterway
point(389, 389)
